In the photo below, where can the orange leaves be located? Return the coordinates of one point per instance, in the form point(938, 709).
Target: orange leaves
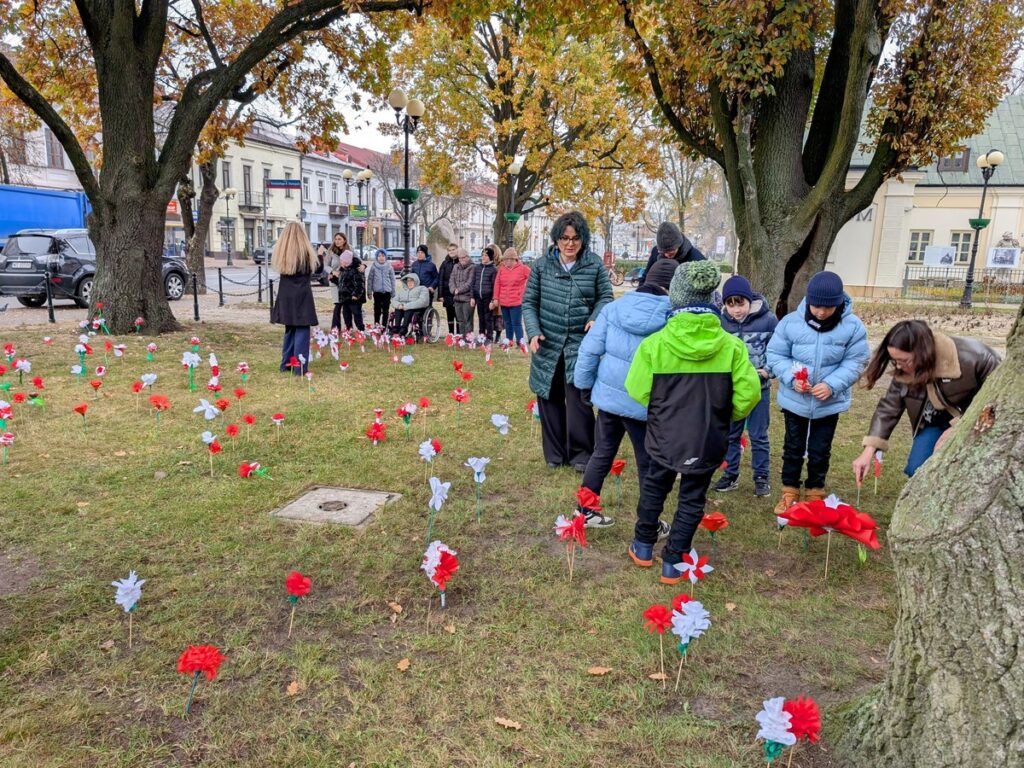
point(511, 725)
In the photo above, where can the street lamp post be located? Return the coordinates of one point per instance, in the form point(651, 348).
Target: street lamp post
point(511, 215)
point(361, 180)
point(988, 164)
point(414, 109)
point(229, 195)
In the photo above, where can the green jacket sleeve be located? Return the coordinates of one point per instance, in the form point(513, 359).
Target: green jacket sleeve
point(604, 293)
point(531, 304)
point(746, 384)
point(641, 375)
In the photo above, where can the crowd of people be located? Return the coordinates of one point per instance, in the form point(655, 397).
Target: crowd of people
point(684, 366)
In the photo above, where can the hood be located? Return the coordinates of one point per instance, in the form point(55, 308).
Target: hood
point(847, 306)
point(758, 308)
point(695, 335)
point(641, 313)
point(411, 276)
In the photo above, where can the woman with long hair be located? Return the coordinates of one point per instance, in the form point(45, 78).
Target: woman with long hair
point(934, 379)
point(295, 261)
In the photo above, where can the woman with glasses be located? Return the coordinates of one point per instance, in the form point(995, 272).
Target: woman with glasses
point(566, 291)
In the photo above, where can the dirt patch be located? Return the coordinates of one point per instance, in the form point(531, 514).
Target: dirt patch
point(17, 571)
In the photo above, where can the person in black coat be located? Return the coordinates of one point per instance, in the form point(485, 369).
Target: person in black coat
point(295, 261)
point(351, 290)
point(444, 291)
point(423, 267)
point(671, 243)
point(483, 292)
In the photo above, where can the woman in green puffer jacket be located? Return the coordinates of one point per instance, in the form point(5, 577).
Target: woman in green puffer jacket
point(566, 292)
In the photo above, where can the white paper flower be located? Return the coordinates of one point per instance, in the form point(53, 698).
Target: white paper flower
point(692, 567)
point(84, 338)
point(213, 361)
point(500, 423)
point(148, 379)
point(209, 438)
point(438, 494)
point(80, 349)
point(119, 350)
point(832, 501)
point(190, 360)
point(432, 557)
point(775, 723)
point(213, 383)
point(129, 591)
point(478, 465)
point(561, 524)
point(76, 370)
point(879, 456)
point(23, 366)
point(427, 452)
point(409, 408)
point(781, 521)
point(408, 360)
point(691, 622)
point(210, 412)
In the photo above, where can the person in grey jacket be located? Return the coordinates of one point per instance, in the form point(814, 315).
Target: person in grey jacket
point(411, 299)
point(381, 283)
point(461, 286)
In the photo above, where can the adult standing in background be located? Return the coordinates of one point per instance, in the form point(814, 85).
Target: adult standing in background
point(509, 286)
point(461, 286)
point(565, 293)
point(484, 274)
point(381, 283)
point(444, 275)
point(423, 267)
point(294, 260)
point(671, 243)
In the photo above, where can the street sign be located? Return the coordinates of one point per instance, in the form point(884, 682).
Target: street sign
point(195, 215)
point(284, 183)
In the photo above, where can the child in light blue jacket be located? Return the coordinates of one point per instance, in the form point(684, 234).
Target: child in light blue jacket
point(817, 354)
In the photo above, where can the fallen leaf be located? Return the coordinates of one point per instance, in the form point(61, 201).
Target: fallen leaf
point(769, 573)
point(449, 628)
point(403, 665)
point(658, 676)
point(394, 618)
point(119, 454)
point(599, 671)
point(159, 475)
point(395, 607)
point(293, 688)
point(591, 631)
point(107, 645)
point(512, 725)
point(82, 504)
point(874, 660)
point(730, 606)
point(184, 463)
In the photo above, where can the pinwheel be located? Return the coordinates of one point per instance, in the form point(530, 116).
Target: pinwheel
point(713, 523)
point(478, 465)
point(139, 322)
point(148, 380)
point(658, 618)
point(439, 563)
point(408, 360)
point(428, 450)
point(209, 411)
point(438, 496)
point(572, 532)
point(189, 361)
point(690, 620)
point(150, 351)
point(197, 660)
point(694, 567)
point(377, 432)
point(616, 471)
point(500, 423)
point(405, 413)
point(248, 469)
point(129, 592)
point(297, 586)
point(775, 728)
point(119, 350)
point(821, 517)
point(6, 441)
point(877, 462)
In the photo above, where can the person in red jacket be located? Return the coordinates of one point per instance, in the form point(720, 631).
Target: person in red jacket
point(509, 287)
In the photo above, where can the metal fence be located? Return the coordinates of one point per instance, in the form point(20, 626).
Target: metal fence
point(991, 286)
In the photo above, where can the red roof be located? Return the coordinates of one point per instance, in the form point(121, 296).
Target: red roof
point(350, 153)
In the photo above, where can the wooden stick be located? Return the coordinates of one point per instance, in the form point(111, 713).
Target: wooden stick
point(291, 620)
point(679, 673)
point(828, 547)
point(789, 763)
point(661, 650)
point(129, 629)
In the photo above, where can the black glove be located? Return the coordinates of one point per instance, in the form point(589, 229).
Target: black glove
point(585, 397)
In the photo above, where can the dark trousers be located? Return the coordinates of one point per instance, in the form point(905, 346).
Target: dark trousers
point(693, 493)
point(756, 425)
point(485, 318)
point(402, 319)
point(296, 342)
point(353, 314)
point(512, 317)
point(611, 428)
point(381, 304)
point(464, 318)
point(566, 422)
point(336, 316)
point(810, 437)
point(449, 310)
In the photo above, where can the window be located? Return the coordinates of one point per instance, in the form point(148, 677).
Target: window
point(225, 175)
point(265, 192)
point(322, 232)
point(246, 185)
point(373, 210)
point(919, 240)
point(305, 188)
point(958, 162)
point(287, 192)
point(334, 193)
point(962, 242)
point(54, 151)
point(319, 190)
point(16, 149)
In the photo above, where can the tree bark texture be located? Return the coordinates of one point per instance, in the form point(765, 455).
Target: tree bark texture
point(954, 694)
point(196, 232)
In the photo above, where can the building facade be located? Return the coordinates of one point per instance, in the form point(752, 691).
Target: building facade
point(38, 160)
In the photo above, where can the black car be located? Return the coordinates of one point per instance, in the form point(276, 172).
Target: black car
point(72, 259)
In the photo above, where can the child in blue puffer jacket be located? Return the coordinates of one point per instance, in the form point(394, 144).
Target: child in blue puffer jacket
point(746, 314)
point(817, 354)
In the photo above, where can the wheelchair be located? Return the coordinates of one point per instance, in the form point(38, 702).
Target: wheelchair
point(425, 326)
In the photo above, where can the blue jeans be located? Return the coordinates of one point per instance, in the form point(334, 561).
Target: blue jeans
point(512, 317)
point(757, 427)
point(296, 342)
point(923, 448)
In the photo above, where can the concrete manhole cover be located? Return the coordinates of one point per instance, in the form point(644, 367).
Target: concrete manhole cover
point(346, 506)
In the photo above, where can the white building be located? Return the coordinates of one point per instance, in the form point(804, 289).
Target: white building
point(323, 195)
point(38, 160)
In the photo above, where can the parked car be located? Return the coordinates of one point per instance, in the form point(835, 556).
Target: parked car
point(72, 261)
point(528, 257)
point(260, 255)
point(634, 276)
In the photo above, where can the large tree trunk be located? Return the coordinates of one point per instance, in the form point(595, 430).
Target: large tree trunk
point(196, 232)
point(954, 695)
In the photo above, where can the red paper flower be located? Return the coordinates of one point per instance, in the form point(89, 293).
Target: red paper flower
point(724, 465)
point(231, 430)
point(108, 346)
point(679, 601)
point(201, 658)
point(617, 466)
point(297, 584)
point(716, 521)
point(277, 418)
point(249, 419)
point(245, 469)
point(215, 448)
point(293, 362)
point(239, 393)
point(3, 370)
point(819, 517)
point(460, 395)
point(587, 499)
point(95, 384)
point(215, 370)
point(457, 365)
point(878, 466)
point(801, 374)
point(377, 432)
point(804, 718)
point(436, 445)
point(448, 565)
point(658, 618)
point(136, 387)
point(159, 402)
point(223, 404)
point(18, 398)
point(467, 376)
point(99, 305)
point(424, 402)
point(81, 408)
point(37, 382)
point(744, 443)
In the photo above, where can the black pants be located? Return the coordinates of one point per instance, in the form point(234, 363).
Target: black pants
point(611, 428)
point(336, 316)
point(566, 422)
point(381, 304)
point(402, 319)
point(693, 493)
point(449, 310)
point(353, 314)
point(485, 318)
point(812, 437)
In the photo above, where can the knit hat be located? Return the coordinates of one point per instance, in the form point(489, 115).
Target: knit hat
point(669, 237)
point(825, 289)
point(661, 273)
point(693, 283)
point(346, 258)
point(737, 285)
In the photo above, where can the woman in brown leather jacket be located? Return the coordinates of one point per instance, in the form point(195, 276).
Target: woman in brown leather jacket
point(935, 378)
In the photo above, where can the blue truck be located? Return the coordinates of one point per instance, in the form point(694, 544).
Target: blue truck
point(32, 208)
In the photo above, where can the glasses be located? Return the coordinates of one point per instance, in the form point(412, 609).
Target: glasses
point(570, 240)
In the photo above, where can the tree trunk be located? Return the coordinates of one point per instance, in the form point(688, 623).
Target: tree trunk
point(5, 174)
point(196, 233)
point(954, 694)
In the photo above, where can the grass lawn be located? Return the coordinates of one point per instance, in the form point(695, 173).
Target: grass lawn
point(80, 508)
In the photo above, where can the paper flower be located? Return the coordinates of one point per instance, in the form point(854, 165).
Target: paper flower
point(201, 659)
point(139, 322)
point(427, 452)
point(249, 419)
point(150, 349)
point(680, 600)
point(293, 362)
point(714, 522)
point(343, 366)
point(159, 402)
point(194, 341)
point(80, 409)
point(617, 466)
point(775, 723)
point(210, 412)
point(37, 382)
point(231, 430)
point(223, 404)
point(148, 379)
point(408, 359)
point(405, 412)
point(101, 371)
point(824, 516)
point(247, 469)
point(800, 373)
point(119, 350)
point(297, 586)
point(804, 718)
point(460, 395)
point(278, 419)
point(877, 461)
point(438, 494)
point(690, 622)
point(377, 432)
point(587, 499)
point(213, 385)
point(500, 423)
point(23, 366)
point(657, 618)
point(19, 398)
point(457, 365)
point(95, 384)
point(190, 360)
point(694, 567)
point(574, 530)
point(467, 376)
point(478, 465)
point(424, 402)
point(440, 562)
point(129, 591)
point(239, 393)
point(7, 439)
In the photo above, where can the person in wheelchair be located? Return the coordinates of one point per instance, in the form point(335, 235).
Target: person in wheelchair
point(410, 301)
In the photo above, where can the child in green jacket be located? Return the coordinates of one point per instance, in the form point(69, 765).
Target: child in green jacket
point(695, 380)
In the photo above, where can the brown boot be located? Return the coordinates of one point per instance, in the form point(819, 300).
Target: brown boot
point(790, 496)
point(815, 494)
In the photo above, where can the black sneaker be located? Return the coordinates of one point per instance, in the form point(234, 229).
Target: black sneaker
point(762, 487)
point(596, 519)
point(663, 530)
point(727, 483)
